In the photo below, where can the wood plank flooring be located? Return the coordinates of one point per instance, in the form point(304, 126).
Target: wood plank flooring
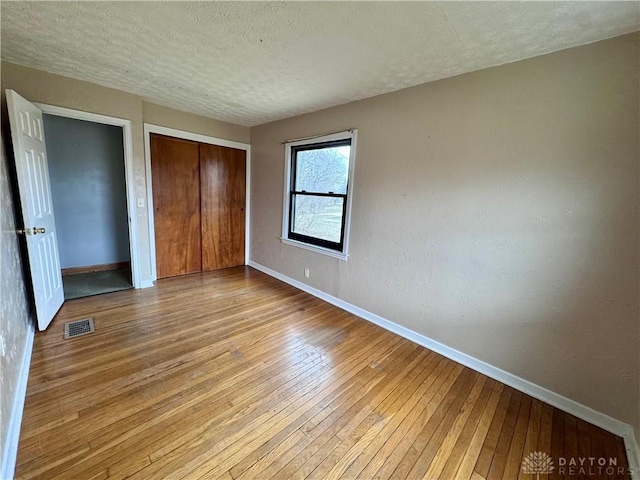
point(235, 375)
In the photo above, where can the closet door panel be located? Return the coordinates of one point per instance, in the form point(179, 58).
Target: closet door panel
point(222, 197)
point(175, 172)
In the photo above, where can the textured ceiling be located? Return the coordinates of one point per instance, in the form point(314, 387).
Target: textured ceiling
point(254, 62)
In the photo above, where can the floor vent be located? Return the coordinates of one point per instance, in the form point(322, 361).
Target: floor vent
point(78, 328)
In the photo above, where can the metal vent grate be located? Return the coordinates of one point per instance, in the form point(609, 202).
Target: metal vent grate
point(78, 328)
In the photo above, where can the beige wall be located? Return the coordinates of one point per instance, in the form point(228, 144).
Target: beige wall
point(168, 117)
point(495, 212)
point(38, 86)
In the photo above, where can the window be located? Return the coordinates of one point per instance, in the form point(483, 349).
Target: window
point(317, 193)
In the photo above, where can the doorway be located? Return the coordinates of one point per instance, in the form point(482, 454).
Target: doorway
point(88, 189)
point(36, 202)
point(123, 129)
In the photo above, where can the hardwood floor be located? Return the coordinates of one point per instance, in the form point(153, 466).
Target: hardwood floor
point(235, 375)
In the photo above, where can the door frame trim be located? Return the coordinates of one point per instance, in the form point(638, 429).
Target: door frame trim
point(150, 128)
point(127, 139)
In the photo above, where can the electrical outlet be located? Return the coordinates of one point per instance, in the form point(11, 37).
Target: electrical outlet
point(306, 273)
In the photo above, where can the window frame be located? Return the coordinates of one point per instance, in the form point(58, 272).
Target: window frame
point(334, 249)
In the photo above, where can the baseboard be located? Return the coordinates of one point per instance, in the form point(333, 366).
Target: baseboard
point(146, 284)
point(103, 267)
point(10, 453)
point(588, 414)
point(633, 452)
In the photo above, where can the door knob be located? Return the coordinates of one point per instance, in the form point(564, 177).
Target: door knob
point(30, 231)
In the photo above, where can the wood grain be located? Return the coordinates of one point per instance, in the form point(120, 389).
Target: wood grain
point(103, 267)
point(222, 179)
point(175, 173)
point(232, 374)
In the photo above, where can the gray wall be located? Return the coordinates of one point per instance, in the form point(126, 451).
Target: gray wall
point(86, 166)
point(495, 212)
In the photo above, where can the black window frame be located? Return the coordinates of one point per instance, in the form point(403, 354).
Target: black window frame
point(293, 193)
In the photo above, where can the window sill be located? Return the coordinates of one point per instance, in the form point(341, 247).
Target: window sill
point(312, 248)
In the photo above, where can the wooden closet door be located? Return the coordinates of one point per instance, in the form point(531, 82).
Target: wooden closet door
point(222, 197)
point(175, 172)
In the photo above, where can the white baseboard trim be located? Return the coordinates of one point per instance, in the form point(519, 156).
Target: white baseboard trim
point(10, 452)
point(146, 284)
point(588, 414)
point(633, 452)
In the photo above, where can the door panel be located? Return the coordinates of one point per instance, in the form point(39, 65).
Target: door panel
point(30, 155)
point(176, 201)
point(222, 178)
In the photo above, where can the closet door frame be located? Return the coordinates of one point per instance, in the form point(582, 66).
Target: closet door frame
point(150, 128)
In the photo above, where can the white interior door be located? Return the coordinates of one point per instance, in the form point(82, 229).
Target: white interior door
point(39, 226)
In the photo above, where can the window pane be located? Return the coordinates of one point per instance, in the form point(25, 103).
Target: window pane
point(319, 217)
point(323, 170)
